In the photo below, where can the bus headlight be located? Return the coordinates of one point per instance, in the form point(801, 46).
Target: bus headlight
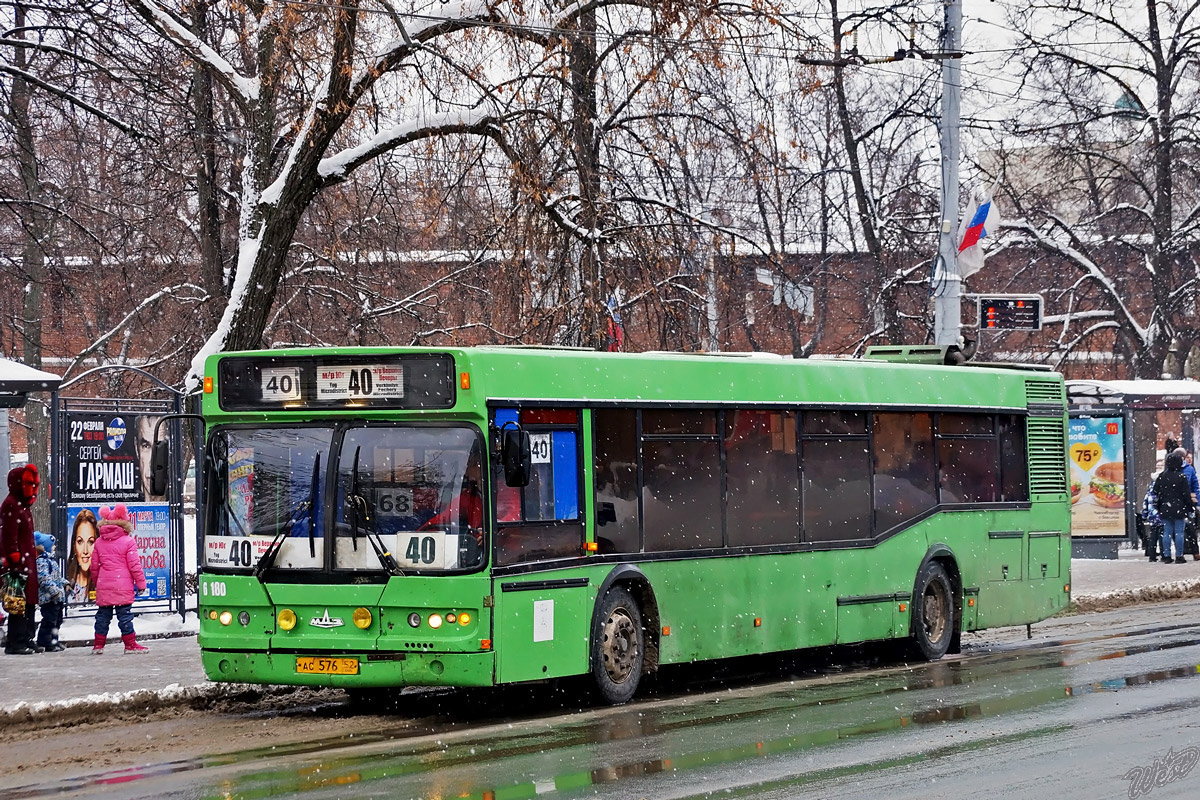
point(435, 621)
point(362, 618)
point(414, 619)
point(226, 618)
point(244, 618)
point(464, 618)
point(286, 619)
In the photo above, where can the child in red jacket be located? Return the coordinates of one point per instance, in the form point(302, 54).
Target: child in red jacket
point(118, 570)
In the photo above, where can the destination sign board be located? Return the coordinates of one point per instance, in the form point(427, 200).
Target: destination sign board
point(351, 381)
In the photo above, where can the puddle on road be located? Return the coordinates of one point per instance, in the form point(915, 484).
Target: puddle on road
point(674, 726)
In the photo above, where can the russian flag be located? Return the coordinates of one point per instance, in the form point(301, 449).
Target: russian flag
point(982, 219)
point(977, 227)
point(615, 332)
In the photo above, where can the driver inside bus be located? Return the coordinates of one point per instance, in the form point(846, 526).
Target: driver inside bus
point(466, 509)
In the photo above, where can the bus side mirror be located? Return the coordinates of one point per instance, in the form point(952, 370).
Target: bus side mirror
point(516, 456)
point(159, 468)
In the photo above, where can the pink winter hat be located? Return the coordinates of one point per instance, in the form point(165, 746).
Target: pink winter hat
point(116, 515)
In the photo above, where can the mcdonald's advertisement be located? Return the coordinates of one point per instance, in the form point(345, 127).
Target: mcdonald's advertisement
point(1097, 450)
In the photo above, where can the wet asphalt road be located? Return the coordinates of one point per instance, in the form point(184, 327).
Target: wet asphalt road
point(1109, 706)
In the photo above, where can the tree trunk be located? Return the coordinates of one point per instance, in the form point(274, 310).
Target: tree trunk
point(212, 257)
point(36, 227)
point(586, 144)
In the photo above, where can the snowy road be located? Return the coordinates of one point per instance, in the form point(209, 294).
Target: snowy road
point(1072, 714)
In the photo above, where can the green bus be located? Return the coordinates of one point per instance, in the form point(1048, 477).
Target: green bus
point(392, 517)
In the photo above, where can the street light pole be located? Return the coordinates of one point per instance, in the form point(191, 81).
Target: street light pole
point(947, 282)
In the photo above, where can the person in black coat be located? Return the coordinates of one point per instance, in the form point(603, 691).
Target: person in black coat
point(1173, 494)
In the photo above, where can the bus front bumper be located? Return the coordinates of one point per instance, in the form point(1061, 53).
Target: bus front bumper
point(374, 669)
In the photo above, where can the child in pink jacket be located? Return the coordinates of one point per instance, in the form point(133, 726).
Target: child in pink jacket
point(118, 570)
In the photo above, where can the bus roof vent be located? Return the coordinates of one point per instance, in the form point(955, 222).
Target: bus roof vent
point(907, 353)
point(1043, 392)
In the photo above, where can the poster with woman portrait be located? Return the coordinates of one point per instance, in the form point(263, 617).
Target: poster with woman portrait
point(108, 462)
point(82, 532)
point(151, 526)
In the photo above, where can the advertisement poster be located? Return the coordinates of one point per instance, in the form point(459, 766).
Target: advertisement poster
point(241, 489)
point(108, 462)
point(151, 532)
point(1097, 451)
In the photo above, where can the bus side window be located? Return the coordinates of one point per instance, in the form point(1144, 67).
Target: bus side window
point(1014, 467)
point(762, 476)
point(541, 520)
point(553, 490)
point(968, 459)
point(681, 493)
point(614, 461)
point(837, 489)
point(903, 460)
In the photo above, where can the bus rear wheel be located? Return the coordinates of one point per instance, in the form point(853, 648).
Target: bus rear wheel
point(933, 613)
point(618, 647)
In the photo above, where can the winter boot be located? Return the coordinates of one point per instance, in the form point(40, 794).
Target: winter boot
point(98, 644)
point(131, 644)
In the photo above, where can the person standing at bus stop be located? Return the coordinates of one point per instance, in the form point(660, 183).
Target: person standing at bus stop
point(118, 573)
point(1189, 523)
point(17, 554)
point(1173, 495)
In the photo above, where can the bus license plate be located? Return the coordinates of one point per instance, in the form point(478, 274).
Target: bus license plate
point(327, 666)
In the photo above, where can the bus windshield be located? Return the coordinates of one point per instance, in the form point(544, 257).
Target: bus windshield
point(414, 492)
point(406, 498)
point(268, 485)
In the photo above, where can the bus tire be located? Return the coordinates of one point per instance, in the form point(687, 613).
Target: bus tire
point(618, 646)
point(933, 612)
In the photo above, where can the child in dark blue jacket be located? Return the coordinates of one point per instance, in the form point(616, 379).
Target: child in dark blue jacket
point(52, 594)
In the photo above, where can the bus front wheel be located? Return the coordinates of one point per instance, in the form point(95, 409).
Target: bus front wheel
point(932, 612)
point(618, 646)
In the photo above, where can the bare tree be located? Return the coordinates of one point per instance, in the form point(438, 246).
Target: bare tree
point(1103, 172)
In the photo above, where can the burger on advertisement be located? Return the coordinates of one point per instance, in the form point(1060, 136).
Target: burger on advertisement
point(1076, 486)
point(1108, 485)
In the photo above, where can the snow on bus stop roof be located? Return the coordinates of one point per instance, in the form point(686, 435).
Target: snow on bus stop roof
point(17, 380)
point(1136, 393)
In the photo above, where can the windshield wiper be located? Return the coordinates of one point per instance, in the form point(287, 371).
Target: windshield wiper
point(268, 558)
point(358, 504)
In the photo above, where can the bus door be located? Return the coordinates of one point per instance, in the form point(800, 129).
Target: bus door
point(543, 605)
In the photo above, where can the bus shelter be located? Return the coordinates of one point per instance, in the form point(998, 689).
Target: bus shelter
point(16, 381)
point(100, 456)
point(1118, 430)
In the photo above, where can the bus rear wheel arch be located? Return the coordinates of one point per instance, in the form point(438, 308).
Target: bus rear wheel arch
point(618, 649)
point(935, 613)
